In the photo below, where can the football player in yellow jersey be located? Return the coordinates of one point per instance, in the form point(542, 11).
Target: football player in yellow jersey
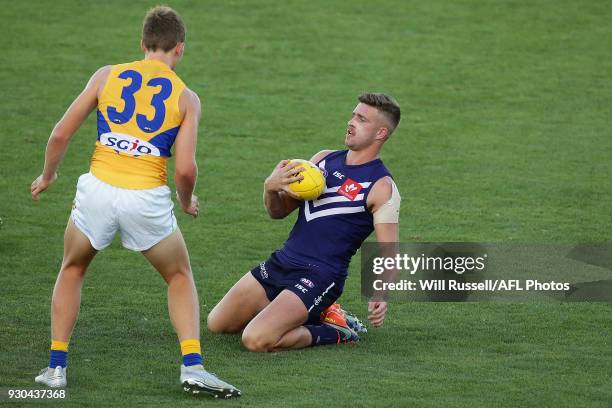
point(143, 109)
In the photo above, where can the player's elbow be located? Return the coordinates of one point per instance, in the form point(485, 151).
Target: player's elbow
point(60, 133)
point(274, 211)
point(185, 174)
point(276, 215)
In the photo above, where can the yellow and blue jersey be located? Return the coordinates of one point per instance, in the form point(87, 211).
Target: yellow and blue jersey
point(138, 120)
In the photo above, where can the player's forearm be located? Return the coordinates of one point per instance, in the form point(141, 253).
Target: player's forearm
point(54, 153)
point(387, 235)
point(185, 181)
point(275, 204)
point(387, 250)
point(276, 196)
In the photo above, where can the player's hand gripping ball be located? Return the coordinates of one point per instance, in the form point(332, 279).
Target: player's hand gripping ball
point(313, 183)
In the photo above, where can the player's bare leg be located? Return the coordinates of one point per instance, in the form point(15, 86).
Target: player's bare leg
point(239, 306)
point(66, 301)
point(171, 260)
point(278, 326)
point(294, 339)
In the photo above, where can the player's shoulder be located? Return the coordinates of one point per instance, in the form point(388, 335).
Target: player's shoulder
point(98, 79)
point(385, 183)
point(383, 188)
point(189, 101)
point(105, 69)
point(321, 155)
point(102, 72)
point(191, 97)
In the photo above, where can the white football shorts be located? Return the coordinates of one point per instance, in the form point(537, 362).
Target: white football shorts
point(142, 217)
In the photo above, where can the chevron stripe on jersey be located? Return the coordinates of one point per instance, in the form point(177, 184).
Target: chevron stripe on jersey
point(331, 203)
point(330, 229)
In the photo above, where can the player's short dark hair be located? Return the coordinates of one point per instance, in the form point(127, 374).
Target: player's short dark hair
point(385, 104)
point(162, 28)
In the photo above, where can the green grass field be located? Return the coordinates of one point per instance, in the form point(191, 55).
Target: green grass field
point(505, 138)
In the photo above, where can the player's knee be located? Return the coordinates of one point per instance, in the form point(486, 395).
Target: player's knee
point(214, 323)
point(256, 342)
point(217, 322)
point(182, 275)
point(73, 270)
point(184, 271)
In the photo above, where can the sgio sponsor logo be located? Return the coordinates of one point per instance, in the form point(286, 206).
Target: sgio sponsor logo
point(128, 144)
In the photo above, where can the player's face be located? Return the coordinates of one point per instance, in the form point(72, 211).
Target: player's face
point(363, 127)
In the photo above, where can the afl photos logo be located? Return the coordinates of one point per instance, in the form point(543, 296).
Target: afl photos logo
point(122, 143)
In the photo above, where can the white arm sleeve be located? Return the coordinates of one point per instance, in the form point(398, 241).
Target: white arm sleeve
point(388, 213)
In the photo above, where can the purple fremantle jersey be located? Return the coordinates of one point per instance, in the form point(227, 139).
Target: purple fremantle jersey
point(330, 229)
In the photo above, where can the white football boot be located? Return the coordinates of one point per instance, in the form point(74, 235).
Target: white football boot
point(195, 380)
point(52, 377)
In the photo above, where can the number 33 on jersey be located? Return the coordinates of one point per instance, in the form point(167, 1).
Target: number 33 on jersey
point(138, 120)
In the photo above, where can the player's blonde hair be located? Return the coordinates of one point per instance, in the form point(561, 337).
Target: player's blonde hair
point(162, 28)
point(385, 104)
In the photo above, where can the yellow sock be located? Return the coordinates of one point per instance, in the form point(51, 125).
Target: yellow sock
point(59, 354)
point(59, 345)
point(192, 354)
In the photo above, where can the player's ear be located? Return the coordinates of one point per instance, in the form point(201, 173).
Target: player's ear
point(142, 46)
point(382, 134)
point(179, 49)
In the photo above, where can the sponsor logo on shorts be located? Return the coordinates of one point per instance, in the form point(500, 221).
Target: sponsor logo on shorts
point(263, 272)
point(127, 144)
point(319, 299)
point(307, 282)
point(301, 288)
